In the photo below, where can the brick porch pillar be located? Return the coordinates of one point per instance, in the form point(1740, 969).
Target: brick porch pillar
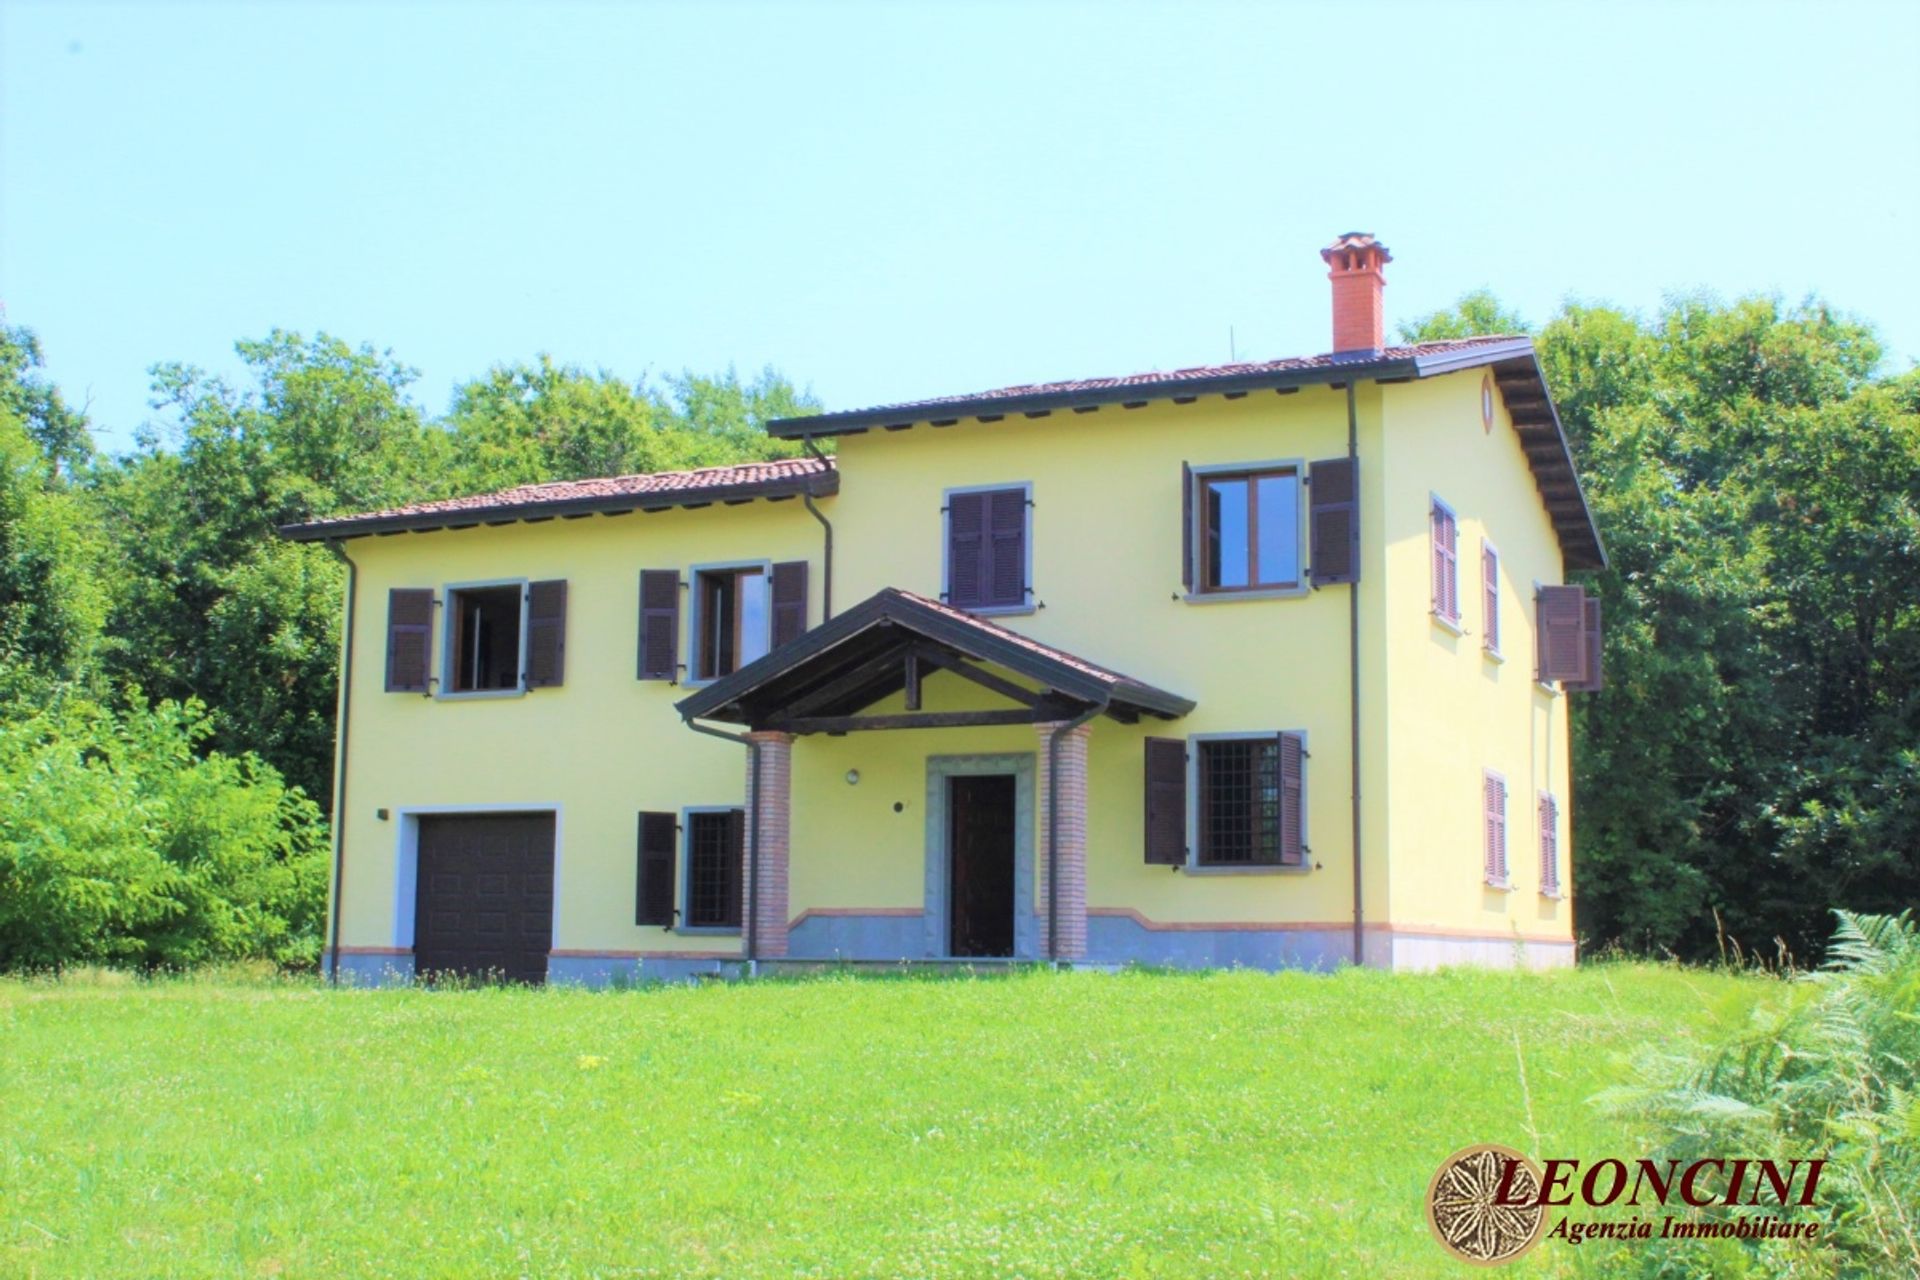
point(767, 896)
point(1072, 837)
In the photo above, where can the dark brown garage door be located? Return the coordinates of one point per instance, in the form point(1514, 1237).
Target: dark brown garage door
point(485, 900)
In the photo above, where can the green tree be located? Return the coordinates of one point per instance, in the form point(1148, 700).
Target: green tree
point(1476, 314)
point(25, 395)
point(52, 601)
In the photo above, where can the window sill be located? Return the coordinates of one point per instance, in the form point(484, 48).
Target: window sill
point(996, 610)
point(1259, 593)
point(1494, 656)
point(1500, 886)
point(1258, 869)
point(1449, 625)
point(708, 930)
point(1555, 896)
point(479, 695)
point(1546, 688)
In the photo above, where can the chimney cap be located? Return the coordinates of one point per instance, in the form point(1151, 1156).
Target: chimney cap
point(1352, 241)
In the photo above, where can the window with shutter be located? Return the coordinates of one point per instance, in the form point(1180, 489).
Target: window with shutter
point(486, 638)
point(1166, 796)
point(789, 601)
point(1494, 802)
point(715, 868)
point(1445, 536)
point(1248, 529)
point(732, 619)
point(1490, 598)
point(1250, 800)
point(660, 624)
point(1560, 640)
point(1549, 846)
point(409, 639)
point(988, 552)
point(654, 896)
point(1334, 521)
point(546, 634)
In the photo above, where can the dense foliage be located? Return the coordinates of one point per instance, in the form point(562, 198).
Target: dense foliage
point(187, 829)
point(1830, 1069)
point(1756, 751)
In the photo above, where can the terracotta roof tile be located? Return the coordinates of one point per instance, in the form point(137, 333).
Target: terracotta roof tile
point(671, 487)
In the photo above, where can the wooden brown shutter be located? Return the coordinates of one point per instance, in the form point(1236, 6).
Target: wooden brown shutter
point(659, 851)
point(659, 624)
point(1590, 640)
point(1006, 566)
point(1490, 596)
point(546, 633)
point(1186, 526)
point(409, 639)
point(736, 864)
point(789, 590)
point(1549, 845)
point(966, 543)
point(1166, 791)
point(1334, 521)
point(1293, 814)
point(1560, 634)
point(1495, 818)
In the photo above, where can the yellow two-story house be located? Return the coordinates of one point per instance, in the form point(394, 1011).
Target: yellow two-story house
point(1262, 664)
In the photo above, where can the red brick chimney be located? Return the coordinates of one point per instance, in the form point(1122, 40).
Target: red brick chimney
point(1354, 264)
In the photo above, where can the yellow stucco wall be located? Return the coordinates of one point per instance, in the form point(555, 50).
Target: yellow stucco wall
point(602, 747)
point(1106, 547)
point(1455, 712)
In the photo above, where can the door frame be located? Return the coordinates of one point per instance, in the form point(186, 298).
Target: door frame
point(406, 879)
point(1026, 939)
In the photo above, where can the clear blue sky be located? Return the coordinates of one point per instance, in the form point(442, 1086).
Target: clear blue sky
point(901, 201)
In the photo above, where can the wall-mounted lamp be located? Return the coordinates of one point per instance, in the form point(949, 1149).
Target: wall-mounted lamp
point(853, 777)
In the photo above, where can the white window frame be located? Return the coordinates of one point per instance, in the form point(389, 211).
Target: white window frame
point(1196, 535)
point(450, 620)
point(1490, 627)
point(1193, 866)
point(693, 611)
point(1030, 601)
point(1454, 624)
point(684, 885)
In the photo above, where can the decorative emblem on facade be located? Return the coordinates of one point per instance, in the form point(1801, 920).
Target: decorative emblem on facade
point(1464, 1209)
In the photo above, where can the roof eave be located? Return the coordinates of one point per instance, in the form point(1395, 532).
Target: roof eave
point(819, 483)
point(900, 416)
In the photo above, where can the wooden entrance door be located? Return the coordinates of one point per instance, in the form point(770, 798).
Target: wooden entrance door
point(980, 861)
point(484, 904)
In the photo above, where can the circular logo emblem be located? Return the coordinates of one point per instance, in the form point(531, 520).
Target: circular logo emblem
point(1464, 1212)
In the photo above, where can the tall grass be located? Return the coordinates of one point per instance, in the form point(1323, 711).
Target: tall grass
point(1824, 1068)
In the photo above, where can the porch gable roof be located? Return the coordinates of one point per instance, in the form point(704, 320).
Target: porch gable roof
point(882, 645)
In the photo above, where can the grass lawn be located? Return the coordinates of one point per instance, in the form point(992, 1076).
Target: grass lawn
point(1034, 1125)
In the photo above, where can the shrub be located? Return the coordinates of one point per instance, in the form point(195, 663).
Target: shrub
point(1827, 1069)
point(120, 844)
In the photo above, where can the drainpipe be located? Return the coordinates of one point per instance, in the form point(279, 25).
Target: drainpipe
point(1053, 823)
point(1353, 688)
point(753, 835)
point(340, 760)
point(806, 496)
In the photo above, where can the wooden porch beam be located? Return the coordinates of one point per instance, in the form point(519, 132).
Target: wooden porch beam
point(911, 720)
point(985, 679)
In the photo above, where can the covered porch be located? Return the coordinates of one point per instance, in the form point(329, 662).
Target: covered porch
point(972, 844)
